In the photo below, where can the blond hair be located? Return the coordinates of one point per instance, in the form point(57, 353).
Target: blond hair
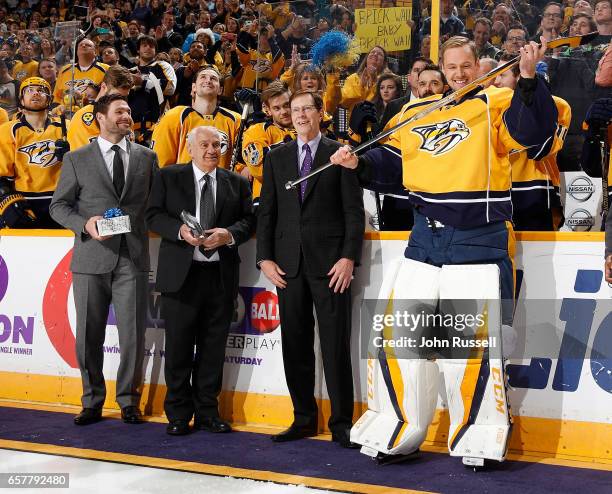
point(457, 42)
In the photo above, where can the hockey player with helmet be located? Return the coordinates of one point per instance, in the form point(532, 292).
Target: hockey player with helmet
point(31, 153)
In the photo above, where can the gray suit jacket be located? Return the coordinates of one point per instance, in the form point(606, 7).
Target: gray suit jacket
point(85, 189)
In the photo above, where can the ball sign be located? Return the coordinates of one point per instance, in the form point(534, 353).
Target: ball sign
point(264, 312)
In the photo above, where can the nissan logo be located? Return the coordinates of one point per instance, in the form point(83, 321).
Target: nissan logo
point(581, 188)
point(580, 220)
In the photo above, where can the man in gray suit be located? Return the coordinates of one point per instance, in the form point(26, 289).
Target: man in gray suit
point(108, 173)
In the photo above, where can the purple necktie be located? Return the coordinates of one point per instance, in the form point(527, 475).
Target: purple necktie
point(306, 167)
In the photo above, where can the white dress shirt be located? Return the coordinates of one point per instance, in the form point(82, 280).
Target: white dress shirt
point(198, 183)
point(108, 154)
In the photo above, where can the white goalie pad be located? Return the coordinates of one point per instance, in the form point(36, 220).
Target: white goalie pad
point(406, 392)
point(480, 420)
point(402, 393)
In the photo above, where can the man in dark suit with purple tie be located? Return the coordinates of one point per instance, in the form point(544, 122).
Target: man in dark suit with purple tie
point(308, 242)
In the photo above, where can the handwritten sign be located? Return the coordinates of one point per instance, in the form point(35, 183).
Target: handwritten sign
point(388, 28)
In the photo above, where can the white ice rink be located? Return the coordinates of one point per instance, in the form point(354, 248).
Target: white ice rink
point(90, 476)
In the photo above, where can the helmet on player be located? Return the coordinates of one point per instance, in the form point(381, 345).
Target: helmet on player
point(36, 82)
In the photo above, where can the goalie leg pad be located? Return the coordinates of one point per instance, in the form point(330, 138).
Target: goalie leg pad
point(402, 394)
point(476, 386)
point(407, 392)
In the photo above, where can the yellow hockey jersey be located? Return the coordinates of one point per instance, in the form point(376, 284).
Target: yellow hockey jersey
point(261, 67)
point(169, 138)
point(22, 70)
point(82, 78)
point(454, 162)
point(535, 182)
point(257, 141)
point(83, 128)
point(28, 156)
point(4, 117)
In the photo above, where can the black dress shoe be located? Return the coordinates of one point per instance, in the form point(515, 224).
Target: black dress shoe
point(212, 424)
point(343, 438)
point(295, 432)
point(131, 415)
point(178, 428)
point(88, 416)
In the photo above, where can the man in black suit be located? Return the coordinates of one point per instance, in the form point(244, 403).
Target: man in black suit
point(308, 241)
point(198, 276)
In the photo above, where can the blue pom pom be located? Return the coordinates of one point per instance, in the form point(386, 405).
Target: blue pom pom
point(330, 44)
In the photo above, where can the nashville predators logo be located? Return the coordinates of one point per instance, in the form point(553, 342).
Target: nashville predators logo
point(224, 142)
point(251, 154)
point(261, 65)
point(440, 138)
point(40, 153)
point(80, 85)
point(88, 118)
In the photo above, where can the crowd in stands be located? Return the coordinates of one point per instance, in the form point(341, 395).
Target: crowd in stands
point(254, 44)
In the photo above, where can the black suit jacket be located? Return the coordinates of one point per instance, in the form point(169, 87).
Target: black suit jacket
point(173, 191)
point(325, 227)
point(392, 109)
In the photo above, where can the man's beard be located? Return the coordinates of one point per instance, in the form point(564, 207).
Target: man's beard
point(38, 106)
point(120, 131)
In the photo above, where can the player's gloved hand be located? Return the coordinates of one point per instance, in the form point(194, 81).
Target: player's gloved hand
point(61, 148)
point(599, 114)
point(362, 114)
point(257, 116)
point(246, 95)
point(15, 211)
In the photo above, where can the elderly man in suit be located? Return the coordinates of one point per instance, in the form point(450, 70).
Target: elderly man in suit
point(197, 276)
point(308, 241)
point(108, 173)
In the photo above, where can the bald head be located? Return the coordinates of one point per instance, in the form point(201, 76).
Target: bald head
point(204, 146)
point(486, 66)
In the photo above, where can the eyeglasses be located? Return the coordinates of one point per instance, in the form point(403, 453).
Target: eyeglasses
point(552, 16)
point(306, 109)
point(35, 90)
point(516, 38)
